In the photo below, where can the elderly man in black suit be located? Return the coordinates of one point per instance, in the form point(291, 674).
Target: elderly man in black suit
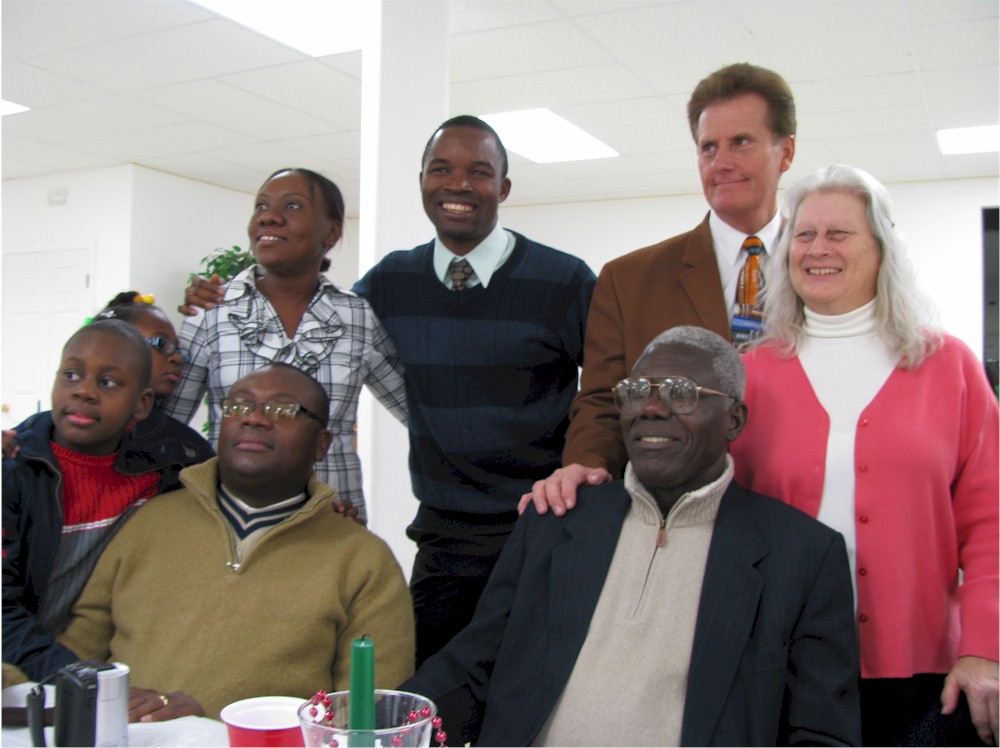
point(673, 607)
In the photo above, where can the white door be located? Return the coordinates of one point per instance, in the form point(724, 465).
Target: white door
point(46, 297)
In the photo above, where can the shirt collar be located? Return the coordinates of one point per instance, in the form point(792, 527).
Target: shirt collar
point(246, 280)
point(692, 508)
point(485, 258)
point(728, 240)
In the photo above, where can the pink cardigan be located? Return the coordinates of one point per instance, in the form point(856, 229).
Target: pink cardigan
point(926, 499)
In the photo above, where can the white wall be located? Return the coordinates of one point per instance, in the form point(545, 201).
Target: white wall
point(175, 223)
point(149, 229)
point(97, 212)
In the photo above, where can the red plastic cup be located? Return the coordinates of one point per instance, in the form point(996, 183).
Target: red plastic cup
point(263, 721)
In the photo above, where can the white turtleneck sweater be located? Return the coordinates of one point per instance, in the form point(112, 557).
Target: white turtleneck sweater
point(847, 363)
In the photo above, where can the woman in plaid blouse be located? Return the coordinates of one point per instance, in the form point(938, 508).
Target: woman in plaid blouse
point(284, 310)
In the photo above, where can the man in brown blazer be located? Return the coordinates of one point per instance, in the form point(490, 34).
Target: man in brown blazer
point(742, 118)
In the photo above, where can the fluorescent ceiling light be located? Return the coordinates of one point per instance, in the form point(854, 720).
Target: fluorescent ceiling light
point(316, 27)
point(969, 140)
point(544, 137)
point(9, 107)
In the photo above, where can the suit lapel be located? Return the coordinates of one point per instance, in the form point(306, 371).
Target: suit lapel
point(579, 568)
point(726, 614)
point(701, 281)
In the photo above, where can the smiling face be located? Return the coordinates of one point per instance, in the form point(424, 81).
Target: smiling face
point(97, 392)
point(834, 257)
point(741, 161)
point(264, 461)
point(153, 323)
point(673, 454)
point(290, 230)
point(462, 186)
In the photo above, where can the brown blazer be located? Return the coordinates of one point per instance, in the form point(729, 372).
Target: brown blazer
point(638, 296)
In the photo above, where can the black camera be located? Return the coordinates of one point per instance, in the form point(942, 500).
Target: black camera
point(77, 696)
point(76, 704)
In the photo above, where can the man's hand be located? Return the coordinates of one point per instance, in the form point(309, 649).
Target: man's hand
point(979, 678)
point(203, 293)
point(347, 508)
point(10, 445)
point(146, 705)
point(558, 491)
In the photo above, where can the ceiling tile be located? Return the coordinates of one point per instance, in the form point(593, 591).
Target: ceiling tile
point(38, 27)
point(335, 147)
point(204, 168)
point(137, 145)
point(551, 88)
point(824, 39)
point(49, 156)
point(656, 42)
point(467, 16)
point(964, 97)
point(934, 12)
point(90, 118)
point(552, 45)
point(959, 44)
point(169, 85)
point(191, 52)
point(33, 87)
point(309, 87)
point(225, 105)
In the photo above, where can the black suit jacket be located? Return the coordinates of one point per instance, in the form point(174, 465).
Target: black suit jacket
point(774, 660)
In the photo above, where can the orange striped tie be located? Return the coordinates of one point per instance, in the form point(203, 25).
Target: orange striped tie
point(751, 281)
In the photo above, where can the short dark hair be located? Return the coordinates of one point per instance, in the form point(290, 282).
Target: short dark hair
point(321, 394)
point(333, 198)
point(129, 336)
point(468, 120)
point(744, 78)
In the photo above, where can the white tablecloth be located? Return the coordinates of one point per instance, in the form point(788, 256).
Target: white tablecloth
point(186, 731)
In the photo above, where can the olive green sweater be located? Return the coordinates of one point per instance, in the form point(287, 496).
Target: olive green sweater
point(167, 600)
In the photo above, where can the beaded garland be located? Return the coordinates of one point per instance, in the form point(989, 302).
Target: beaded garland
point(321, 700)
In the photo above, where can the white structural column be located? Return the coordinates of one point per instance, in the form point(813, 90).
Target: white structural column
point(404, 96)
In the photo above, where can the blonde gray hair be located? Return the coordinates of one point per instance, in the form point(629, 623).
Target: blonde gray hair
point(901, 311)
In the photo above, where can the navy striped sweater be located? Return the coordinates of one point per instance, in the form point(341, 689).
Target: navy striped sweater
point(490, 372)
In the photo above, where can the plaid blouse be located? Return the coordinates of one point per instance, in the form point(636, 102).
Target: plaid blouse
point(340, 342)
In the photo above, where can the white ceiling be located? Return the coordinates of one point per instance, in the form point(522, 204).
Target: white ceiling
point(171, 86)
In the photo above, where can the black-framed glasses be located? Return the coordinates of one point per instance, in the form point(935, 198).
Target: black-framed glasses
point(273, 411)
point(167, 347)
point(679, 394)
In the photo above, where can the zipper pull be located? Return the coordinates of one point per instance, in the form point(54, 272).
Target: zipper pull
point(661, 534)
point(233, 565)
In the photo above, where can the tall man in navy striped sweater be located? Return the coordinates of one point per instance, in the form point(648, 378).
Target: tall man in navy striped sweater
point(489, 326)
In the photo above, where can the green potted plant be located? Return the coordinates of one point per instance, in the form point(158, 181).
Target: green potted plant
point(224, 262)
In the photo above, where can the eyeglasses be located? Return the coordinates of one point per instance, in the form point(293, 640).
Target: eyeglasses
point(679, 394)
point(167, 347)
point(273, 411)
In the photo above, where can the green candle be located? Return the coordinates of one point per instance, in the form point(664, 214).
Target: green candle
point(361, 707)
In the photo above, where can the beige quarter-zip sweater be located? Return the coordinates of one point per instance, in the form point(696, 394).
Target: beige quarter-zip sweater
point(630, 678)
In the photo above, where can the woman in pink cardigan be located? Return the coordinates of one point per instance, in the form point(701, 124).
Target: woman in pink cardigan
point(886, 431)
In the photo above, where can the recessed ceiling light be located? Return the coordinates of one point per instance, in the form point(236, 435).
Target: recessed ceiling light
point(317, 28)
point(969, 140)
point(9, 107)
point(544, 137)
